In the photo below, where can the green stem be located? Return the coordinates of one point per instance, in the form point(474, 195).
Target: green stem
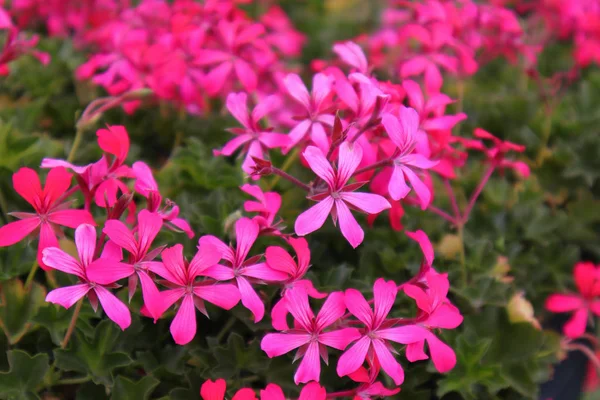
point(32, 271)
point(286, 165)
point(463, 264)
point(546, 131)
point(3, 206)
point(228, 325)
point(71, 328)
point(76, 144)
point(72, 381)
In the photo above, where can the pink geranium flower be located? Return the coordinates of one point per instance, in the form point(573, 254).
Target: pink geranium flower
point(137, 243)
point(182, 283)
point(51, 210)
point(147, 187)
point(435, 312)
point(85, 241)
point(587, 281)
point(252, 136)
point(311, 391)
point(497, 153)
point(244, 270)
point(279, 259)
point(309, 333)
point(403, 132)
point(338, 196)
point(315, 108)
point(216, 391)
point(267, 206)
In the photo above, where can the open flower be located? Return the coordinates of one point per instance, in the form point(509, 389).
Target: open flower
point(181, 276)
point(311, 391)
point(51, 210)
point(338, 196)
point(237, 266)
point(309, 333)
point(267, 206)
point(216, 391)
point(587, 280)
point(85, 241)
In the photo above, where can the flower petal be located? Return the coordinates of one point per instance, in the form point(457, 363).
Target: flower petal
point(225, 296)
point(367, 202)
point(388, 362)
point(313, 218)
point(113, 307)
point(340, 338)
point(358, 306)
point(71, 218)
point(14, 232)
point(354, 357)
point(56, 258)
point(348, 225)
point(332, 310)
point(183, 327)
point(384, 294)
point(250, 299)
point(276, 344)
point(85, 241)
point(319, 164)
point(310, 366)
point(68, 295)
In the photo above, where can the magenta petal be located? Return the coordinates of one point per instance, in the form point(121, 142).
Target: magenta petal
point(14, 232)
point(246, 232)
point(367, 202)
point(298, 132)
point(358, 306)
point(575, 327)
point(183, 327)
point(384, 296)
point(415, 351)
point(279, 259)
point(71, 218)
point(250, 299)
point(332, 310)
point(319, 164)
point(225, 296)
point(276, 344)
point(563, 302)
point(120, 234)
point(69, 295)
point(421, 237)
point(442, 355)
point(310, 366)
point(85, 241)
point(350, 156)
point(297, 305)
point(354, 357)
point(339, 339)
point(263, 272)
point(206, 256)
point(313, 218)
point(297, 89)
point(404, 334)
point(219, 273)
point(348, 225)
point(47, 239)
point(421, 190)
point(388, 362)
point(57, 259)
point(106, 271)
point(279, 314)
point(397, 187)
point(113, 307)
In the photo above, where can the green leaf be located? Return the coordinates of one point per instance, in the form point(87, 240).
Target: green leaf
point(126, 389)
point(18, 305)
point(94, 357)
point(24, 375)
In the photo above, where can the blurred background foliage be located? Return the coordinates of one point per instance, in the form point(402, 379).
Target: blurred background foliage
point(521, 243)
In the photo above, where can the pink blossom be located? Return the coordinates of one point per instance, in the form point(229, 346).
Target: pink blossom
point(16, 45)
point(216, 391)
point(403, 132)
point(256, 140)
point(435, 312)
point(587, 281)
point(352, 54)
point(279, 259)
point(315, 106)
point(182, 283)
point(137, 243)
point(267, 206)
point(497, 153)
point(85, 241)
point(338, 195)
point(51, 210)
point(147, 187)
point(309, 334)
point(237, 266)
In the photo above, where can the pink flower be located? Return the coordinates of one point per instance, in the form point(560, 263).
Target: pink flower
point(311, 391)
point(51, 210)
point(403, 132)
point(137, 243)
point(373, 342)
point(435, 312)
point(338, 196)
point(252, 136)
point(267, 206)
point(85, 240)
point(497, 153)
point(147, 187)
point(369, 387)
point(181, 276)
point(279, 259)
point(587, 281)
point(315, 107)
point(309, 334)
point(244, 270)
point(216, 391)
point(352, 54)
point(16, 45)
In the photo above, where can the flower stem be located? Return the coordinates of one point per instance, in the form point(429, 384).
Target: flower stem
point(32, 271)
point(588, 352)
point(477, 192)
point(288, 177)
point(3, 207)
point(378, 164)
point(71, 328)
point(76, 143)
point(72, 381)
point(228, 325)
point(463, 264)
point(288, 163)
point(452, 198)
point(347, 393)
